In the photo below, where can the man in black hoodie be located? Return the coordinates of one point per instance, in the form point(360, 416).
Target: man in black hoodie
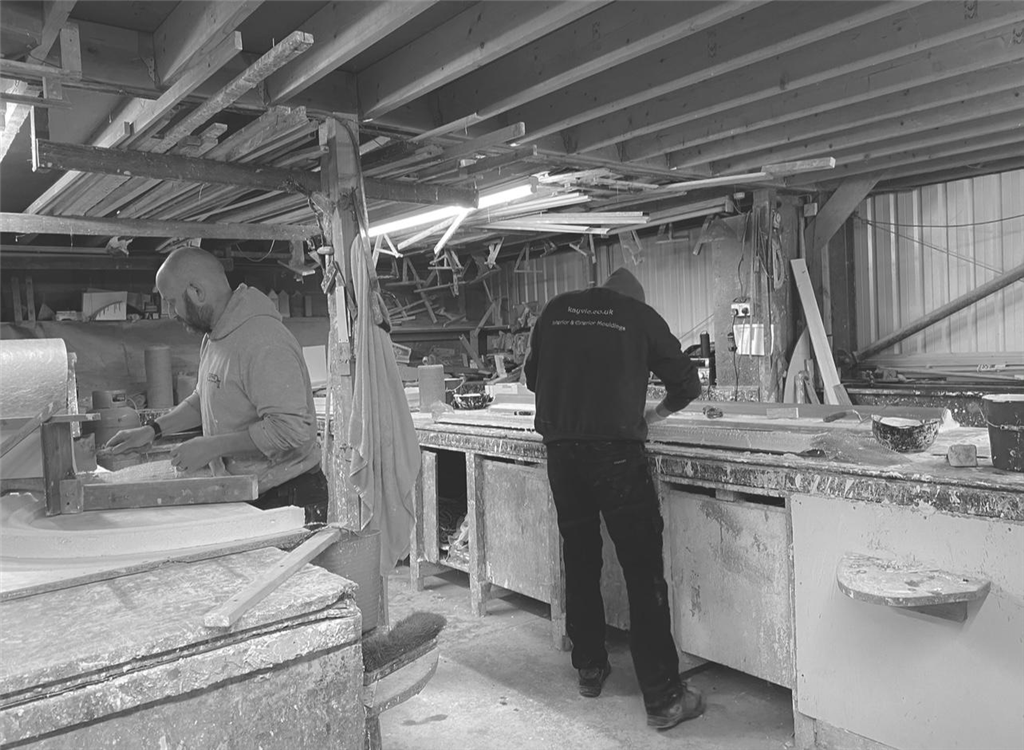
point(591, 355)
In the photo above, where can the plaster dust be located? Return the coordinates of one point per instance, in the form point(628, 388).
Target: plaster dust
point(500, 685)
point(36, 548)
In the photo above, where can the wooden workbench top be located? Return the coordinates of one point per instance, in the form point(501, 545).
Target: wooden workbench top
point(843, 460)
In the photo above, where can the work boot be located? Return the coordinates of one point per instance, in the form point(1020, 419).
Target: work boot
point(592, 680)
point(686, 703)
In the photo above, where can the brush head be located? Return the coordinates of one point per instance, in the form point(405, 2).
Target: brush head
point(408, 634)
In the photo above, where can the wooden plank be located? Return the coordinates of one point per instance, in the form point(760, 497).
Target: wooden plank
point(22, 71)
point(231, 611)
point(835, 212)
point(28, 428)
point(34, 101)
point(84, 225)
point(834, 391)
point(277, 57)
point(281, 539)
point(141, 114)
point(192, 31)
point(430, 520)
point(342, 32)
point(569, 54)
point(168, 492)
point(67, 156)
point(55, 15)
point(475, 37)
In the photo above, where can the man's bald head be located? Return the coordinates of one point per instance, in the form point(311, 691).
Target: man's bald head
point(194, 284)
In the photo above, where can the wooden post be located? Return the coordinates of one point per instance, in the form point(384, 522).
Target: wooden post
point(58, 461)
point(479, 586)
point(339, 182)
point(842, 279)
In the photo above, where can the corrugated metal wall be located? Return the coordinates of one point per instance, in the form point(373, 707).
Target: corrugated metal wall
point(918, 250)
point(677, 283)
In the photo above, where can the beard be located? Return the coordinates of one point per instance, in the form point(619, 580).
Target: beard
point(197, 319)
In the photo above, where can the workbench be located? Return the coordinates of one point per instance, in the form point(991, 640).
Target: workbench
point(127, 662)
point(753, 542)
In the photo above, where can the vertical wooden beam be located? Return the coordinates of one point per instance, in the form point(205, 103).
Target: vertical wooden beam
point(339, 172)
point(58, 461)
point(479, 586)
point(55, 14)
point(16, 298)
point(842, 280)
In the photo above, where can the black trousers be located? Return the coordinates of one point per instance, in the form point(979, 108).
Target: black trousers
point(589, 478)
point(308, 491)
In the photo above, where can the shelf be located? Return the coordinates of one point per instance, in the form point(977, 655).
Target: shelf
point(909, 586)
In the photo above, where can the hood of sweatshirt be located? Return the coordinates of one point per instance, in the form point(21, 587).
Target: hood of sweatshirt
point(245, 304)
point(623, 282)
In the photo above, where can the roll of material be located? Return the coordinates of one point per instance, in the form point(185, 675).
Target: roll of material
point(159, 383)
point(33, 374)
point(431, 381)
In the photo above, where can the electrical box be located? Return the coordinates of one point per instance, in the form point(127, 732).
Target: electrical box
point(741, 309)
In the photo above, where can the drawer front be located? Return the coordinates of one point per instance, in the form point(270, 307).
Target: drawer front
point(906, 679)
point(520, 529)
point(730, 582)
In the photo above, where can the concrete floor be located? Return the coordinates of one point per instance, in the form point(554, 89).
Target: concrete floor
point(500, 684)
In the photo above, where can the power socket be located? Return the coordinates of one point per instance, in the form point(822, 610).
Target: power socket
point(740, 309)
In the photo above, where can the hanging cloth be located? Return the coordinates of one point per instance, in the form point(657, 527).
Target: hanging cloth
point(385, 458)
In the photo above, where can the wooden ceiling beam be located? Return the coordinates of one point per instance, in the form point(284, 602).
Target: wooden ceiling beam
point(878, 135)
point(569, 54)
point(1001, 145)
point(955, 168)
point(979, 54)
point(755, 37)
point(339, 38)
point(66, 156)
point(883, 41)
point(477, 36)
point(130, 123)
point(87, 226)
point(192, 31)
point(21, 27)
point(287, 49)
point(917, 102)
point(55, 15)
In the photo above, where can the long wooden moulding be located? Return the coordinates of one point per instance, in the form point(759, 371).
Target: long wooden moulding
point(78, 495)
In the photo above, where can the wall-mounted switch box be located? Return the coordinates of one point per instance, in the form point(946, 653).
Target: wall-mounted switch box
point(741, 309)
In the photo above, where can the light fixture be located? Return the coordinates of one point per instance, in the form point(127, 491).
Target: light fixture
point(486, 200)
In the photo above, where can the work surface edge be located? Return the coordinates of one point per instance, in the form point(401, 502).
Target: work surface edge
point(977, 494)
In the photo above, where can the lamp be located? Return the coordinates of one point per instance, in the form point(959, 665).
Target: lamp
point(488, 200)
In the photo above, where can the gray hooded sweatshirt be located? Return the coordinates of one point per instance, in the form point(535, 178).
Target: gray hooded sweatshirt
point(252, 376)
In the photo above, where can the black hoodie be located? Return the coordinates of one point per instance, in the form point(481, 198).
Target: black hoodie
point(591, 355)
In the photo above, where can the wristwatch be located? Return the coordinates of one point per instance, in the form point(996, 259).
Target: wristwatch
point(157, 432)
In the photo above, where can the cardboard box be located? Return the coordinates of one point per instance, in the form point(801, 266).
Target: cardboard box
point(104, 305)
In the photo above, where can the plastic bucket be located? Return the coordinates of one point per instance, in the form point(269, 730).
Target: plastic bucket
point(1005, 416)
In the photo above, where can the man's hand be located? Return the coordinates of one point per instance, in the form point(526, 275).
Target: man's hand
point(653, 415)
point(126, 440)
point(194, 455)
